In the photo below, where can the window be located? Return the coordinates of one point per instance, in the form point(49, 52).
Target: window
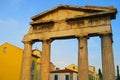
point(33, 66)
point(67, 77)
point(32, 70)
point(5, 49)
point(32, 77)
point(73, 67)
point(90, 77)
point(56, 77)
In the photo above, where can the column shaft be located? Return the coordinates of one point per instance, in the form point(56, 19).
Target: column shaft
point(82, 59)
point(45, 69)
point(107, 58)
point(26, 63)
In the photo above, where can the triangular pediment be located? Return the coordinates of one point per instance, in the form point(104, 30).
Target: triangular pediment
point(66, 11)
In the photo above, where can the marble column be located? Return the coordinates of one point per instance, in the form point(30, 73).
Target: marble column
point(26, 63)
point(82, 58)
point(107, 57)
point(45, 68)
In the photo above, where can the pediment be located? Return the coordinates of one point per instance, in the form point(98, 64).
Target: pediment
point(63, 12)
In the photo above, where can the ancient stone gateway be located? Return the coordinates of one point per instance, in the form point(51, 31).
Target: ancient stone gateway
point(64, 22)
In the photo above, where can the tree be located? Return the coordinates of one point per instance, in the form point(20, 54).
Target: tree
point(118, 75)
point(100, 74)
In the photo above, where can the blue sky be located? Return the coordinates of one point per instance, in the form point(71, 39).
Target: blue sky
point(15, 16)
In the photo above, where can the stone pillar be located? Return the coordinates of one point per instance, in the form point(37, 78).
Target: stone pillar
point(107, 57)
point(82, 59)
point(45, 69)
point(26, 63)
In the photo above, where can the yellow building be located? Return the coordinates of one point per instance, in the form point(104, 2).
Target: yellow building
point(11, 62)
point(36, 64)
point(92, 74)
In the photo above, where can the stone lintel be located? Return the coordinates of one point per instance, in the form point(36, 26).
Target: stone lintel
point(71, 33)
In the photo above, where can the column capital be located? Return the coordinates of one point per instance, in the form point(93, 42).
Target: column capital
point(47, 40)
point(108, 35)
point(80, 37)
point(28, 42)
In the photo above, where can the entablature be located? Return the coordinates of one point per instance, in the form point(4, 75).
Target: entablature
point(71, 21)
point(74, 23)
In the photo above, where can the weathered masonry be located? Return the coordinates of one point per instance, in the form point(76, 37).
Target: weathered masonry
point(65, 22)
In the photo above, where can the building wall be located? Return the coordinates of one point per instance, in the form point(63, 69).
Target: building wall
point(52, 67)
point(10, 62)
point(75, 76)
point(72, 67)
point(92, 74)
point(37, 64)
point(61, 76)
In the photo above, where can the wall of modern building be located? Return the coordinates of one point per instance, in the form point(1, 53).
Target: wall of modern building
point(63, 75)
point(11, 62)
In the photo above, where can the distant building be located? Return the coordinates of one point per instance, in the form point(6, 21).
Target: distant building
point(65, 74)
point(92, 74)
point(52, 67)
point(36, 64)
point(71, 73)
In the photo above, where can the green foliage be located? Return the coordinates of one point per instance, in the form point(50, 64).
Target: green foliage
point(118, 75)
point(100, 74)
